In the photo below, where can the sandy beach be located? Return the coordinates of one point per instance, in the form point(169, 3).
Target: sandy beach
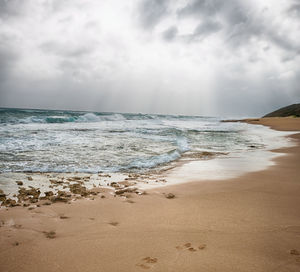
point(248, 223)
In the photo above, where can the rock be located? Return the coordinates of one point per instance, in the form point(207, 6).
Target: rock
point(62, 196)
point(9, 203)
point(20, 183)
point(126, 190)
point(115, 185)
point(59, 199)
point(31, 194)
point(49, 193)
point(53, 181)
point(104, 175)
point(170, 196)
point(30, 178)
point(76, 178)
point(2, 196)
point(78, 189)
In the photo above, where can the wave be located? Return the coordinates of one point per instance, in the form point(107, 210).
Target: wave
point(25, 116)
point(155, 160)
point(172, 155)
point(84, 118)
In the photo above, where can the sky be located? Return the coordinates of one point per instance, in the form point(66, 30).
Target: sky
point(194, 57)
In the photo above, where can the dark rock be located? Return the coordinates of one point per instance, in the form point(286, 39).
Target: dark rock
point(20, 183)
point(31, 194)
point(2, 196)
point(170, 196)
point(126, 190)
point(78, 189)
point(54, 181)
point(10, 203)
point(49, 193)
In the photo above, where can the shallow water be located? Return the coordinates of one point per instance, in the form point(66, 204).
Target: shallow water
point(72, 141)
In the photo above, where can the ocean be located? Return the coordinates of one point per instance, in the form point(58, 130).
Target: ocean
point(94, 142)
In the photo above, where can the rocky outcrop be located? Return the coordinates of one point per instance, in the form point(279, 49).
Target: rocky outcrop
point(291, 110)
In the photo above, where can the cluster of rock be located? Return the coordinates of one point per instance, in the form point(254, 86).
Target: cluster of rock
point(73, 187)
point(33, 195)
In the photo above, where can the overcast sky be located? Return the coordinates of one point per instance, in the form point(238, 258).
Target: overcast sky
point(199, 57)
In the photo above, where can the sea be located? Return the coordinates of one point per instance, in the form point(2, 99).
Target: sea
point(63, 141)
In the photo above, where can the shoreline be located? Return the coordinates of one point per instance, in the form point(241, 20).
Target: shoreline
point(247, 223)
point(31, 188)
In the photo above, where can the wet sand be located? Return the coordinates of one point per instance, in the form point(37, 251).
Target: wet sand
point(249, 223)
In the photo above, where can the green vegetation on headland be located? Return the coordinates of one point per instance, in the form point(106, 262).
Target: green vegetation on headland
point(291, 110)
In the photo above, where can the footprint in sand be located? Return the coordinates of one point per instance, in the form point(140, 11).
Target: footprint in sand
point(294, 229)
point(147, 263)
point(294, 252)
point(50, 234)
point(114, 223)
point(191, 248)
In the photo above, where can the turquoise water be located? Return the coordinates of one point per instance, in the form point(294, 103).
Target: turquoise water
point(70, 141)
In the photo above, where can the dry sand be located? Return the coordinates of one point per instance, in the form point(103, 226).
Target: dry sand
point(250, 223)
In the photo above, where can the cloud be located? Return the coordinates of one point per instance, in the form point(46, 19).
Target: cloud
point(207, 27)
point(202, 57)
point(67, 49)
point(11, 8)
point(170, 33)
point(294, 9)
point(152, 11)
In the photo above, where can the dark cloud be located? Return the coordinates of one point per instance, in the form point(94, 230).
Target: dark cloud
point(170, 33)
point(203, 7)
point(8, 56)
point(11, 8)
point(220, 54)
point(206, 28)
point(239, 23)
point(66, 49)
point(294, 9)
point(7, 62)
point(152, 11)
